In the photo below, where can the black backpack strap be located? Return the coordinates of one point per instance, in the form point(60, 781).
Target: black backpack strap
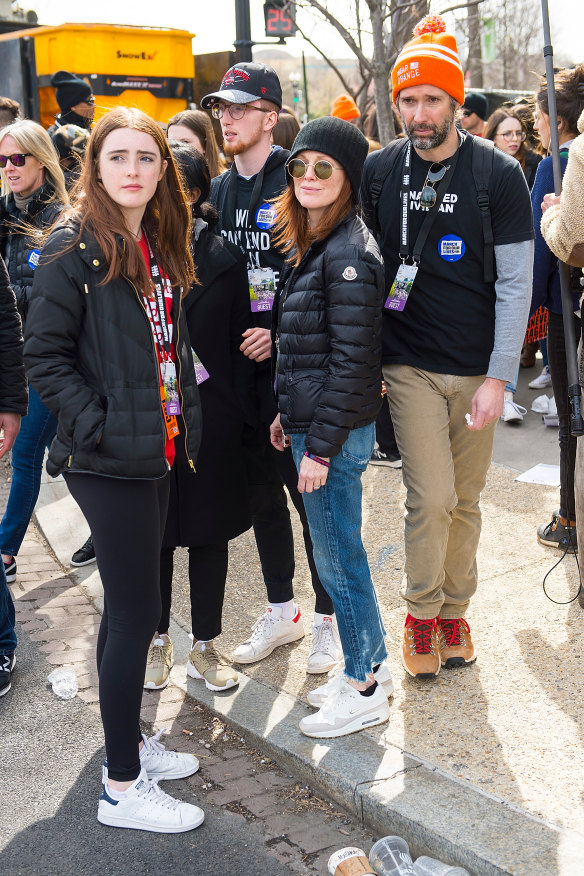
point(482, 166)
point(384, 165)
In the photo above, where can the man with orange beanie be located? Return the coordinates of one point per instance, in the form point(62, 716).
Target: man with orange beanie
point(453, 220)
point(344, 107)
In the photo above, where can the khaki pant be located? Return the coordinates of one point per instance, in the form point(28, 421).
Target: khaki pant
point(444, 470)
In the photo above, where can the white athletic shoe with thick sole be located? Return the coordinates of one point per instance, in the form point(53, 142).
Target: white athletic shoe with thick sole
point(326, 650)
point(145, 806)
point(346, 711)
point(320, 694)
point(269, 631)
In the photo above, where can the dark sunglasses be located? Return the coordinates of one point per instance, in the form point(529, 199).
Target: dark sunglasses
point(322, 169)
point(428, 194)
point(466, 113)
point(17, 160)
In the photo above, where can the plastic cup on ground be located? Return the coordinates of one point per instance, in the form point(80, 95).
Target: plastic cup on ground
point(349, 862)
point(390, 856)
point(64, 683)
point(425, 866)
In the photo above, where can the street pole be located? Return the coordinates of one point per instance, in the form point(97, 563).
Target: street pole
point(243, 41)
point(576, 422)
point(306, 110)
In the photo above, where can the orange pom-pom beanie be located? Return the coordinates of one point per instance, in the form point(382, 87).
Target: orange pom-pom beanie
point(344, 107)
point(431, 58)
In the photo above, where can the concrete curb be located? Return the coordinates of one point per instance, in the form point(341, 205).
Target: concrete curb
point(391, 791)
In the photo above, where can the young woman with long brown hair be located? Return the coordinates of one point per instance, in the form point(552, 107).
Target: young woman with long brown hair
point(195, 128)
point(327, 334)
point(107, 351)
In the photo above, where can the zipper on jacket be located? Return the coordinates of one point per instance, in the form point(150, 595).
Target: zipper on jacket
point(177, 352)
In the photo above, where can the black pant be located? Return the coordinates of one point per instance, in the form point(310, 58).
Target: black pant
point(384, 434)
point(559, 375)
point(268, 470)
point(207, 575)
point(127, 519)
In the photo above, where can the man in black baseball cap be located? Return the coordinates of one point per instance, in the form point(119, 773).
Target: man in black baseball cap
point(247, 105)
point(473, 113)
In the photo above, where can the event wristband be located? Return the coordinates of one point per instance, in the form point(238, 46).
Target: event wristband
point(317, 459)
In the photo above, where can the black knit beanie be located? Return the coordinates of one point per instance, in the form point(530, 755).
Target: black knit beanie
point(71, 90)
point(339, 139)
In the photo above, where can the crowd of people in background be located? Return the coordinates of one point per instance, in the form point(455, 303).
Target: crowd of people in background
point(211, 332)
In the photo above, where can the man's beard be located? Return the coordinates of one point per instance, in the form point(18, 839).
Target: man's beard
point(240, 145)
point(439, 133)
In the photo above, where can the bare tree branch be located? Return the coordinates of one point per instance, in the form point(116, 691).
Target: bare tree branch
point(346, 35)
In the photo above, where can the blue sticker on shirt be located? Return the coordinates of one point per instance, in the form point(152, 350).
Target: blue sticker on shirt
point(33, 258)
point(265, 217)
point(451, 248)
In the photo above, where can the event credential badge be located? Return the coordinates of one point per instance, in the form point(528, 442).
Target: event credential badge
point(262, 289)
point(401, 287)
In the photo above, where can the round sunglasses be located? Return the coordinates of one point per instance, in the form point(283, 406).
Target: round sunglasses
point(322, 169)
point(17, 160)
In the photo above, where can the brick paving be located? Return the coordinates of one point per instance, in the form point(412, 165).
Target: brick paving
point(300, 829)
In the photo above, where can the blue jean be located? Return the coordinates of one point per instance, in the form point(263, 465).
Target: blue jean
point(7, 634)
point(334, 517)
point(36, 433)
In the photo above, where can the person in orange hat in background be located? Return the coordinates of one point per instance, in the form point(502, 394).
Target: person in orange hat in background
point(453, 324)
point(344, 107)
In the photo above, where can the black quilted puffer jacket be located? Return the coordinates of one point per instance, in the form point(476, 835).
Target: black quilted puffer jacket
point(21, 250)
point(90, 355)
point(327, 338)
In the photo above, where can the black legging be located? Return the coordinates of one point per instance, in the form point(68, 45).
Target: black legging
point(127, 519)
point(207, 574)
point(559, 375)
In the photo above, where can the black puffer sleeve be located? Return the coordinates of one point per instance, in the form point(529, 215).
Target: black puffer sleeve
point(13, 391)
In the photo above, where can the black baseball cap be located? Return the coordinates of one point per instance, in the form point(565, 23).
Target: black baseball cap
point(246, 82)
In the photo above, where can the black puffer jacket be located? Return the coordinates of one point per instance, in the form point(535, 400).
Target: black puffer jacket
point(13, 391)
point(21, 251)
point(90, 355)
point(328, 338)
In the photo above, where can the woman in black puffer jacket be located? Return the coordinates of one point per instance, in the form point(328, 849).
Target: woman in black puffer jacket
point(34, 194)
point(327, 334)
point(107, 349)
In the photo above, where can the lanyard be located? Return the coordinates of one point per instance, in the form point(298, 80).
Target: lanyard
point(232, 192)
point(160, 303)
point(431, 214)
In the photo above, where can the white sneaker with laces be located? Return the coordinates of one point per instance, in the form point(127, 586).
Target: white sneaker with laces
point(269, 631)
point(543, 380)
point(326, 647)
point(318, 696)
point(346, 711)
point(161, 764)
point(146, 807)
point(512, 412)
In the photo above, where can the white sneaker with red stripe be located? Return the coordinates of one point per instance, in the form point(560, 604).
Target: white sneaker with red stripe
point(269, 631)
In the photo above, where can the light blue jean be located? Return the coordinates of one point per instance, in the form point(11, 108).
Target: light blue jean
point(334, 518)
point(37, 430)
point(7, 617)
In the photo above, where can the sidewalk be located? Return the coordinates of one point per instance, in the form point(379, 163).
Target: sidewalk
point(482, 767)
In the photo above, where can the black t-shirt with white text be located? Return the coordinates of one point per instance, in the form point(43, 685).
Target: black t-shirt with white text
point(448, 324)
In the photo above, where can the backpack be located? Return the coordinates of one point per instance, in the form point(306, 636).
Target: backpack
point(482, 166)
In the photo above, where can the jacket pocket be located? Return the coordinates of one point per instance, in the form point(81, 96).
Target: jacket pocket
point(304, 391)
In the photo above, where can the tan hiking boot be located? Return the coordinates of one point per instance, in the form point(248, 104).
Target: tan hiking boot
point(456, 645)
point(204, 663)
point(420, 651)
point(159, 663)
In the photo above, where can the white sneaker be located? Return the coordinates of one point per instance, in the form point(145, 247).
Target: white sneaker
point(326, 647)
point(318, 696)
point(346, 711)
point(269, 631)
point(543, 380)
point(146, 807)
point(161, 764)
point(512, 412)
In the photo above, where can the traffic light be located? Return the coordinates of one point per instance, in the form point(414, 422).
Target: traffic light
point(279, 16)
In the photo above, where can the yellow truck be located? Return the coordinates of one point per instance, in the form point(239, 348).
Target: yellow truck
point(149, 68)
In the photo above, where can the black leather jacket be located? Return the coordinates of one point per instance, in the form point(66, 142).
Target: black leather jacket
point(90, 355)
point(19, 250)
point(13, 391)
point(327, 335)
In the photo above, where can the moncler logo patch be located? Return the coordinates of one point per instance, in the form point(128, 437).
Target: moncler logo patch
point(350, 273)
